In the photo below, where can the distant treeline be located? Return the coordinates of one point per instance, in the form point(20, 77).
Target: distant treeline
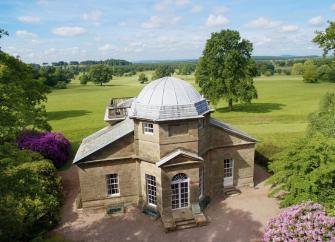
point(58, 74)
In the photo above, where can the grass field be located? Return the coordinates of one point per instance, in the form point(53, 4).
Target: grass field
point(279, 115)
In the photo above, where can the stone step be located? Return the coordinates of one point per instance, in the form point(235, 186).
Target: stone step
point(185, 222)
point(231, 191)
point(183, 219)
point(186, 225)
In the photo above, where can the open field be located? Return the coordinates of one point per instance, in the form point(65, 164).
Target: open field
point(279, 115)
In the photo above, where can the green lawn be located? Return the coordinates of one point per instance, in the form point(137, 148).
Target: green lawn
point(279, 115)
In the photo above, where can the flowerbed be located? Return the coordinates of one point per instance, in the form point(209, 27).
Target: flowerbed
point(304, 222)
point(53, 146)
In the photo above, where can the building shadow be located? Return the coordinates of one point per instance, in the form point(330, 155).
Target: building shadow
point(253, 107)
point(260, 174)
point(59, 115)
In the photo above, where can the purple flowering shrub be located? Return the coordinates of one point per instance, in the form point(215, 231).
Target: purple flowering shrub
point(304, 222)
point(53, 146)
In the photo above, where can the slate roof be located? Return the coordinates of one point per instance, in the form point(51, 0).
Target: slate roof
point(176, 153)
point(231, 130)
point(102, 138)
point(169, 98)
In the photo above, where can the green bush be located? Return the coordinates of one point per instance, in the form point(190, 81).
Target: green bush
point(268, 73)
point(30, 194)
point(306, 171)
point(61, 85)
point(265, 152)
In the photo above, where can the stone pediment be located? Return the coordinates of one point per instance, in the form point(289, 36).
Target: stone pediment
point(179, 157)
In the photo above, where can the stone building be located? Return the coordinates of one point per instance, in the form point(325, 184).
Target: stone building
point(162, 151)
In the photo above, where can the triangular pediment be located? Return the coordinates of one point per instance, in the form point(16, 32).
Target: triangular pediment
point(179, 157)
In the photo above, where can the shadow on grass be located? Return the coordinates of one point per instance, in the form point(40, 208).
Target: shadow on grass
point(59, 115)
point(253, 107)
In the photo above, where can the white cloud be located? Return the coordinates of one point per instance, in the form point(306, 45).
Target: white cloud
point(216, 20)
point(175, 19)
point(69, 31)
point(29, 19)
point(333, 7)
point(263, 23)
point(107, 47)
point(316, 21)
point(152, 22)
point(220, 9)
point(25, 34)
point(93, 16)
point(289, 28)
point(196, 8)
point(50, 51)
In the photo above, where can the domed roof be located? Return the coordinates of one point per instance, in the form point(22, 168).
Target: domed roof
point(168, 98)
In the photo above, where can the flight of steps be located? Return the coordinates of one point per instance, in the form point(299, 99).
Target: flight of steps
point(185, 223)
point(231, 191)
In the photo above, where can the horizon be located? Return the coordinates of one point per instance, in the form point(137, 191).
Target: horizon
point(51, 31)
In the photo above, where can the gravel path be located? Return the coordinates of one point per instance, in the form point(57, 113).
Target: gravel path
point(237, 218)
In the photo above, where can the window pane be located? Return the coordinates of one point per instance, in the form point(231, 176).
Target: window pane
point(112, 182)
point(151, 189)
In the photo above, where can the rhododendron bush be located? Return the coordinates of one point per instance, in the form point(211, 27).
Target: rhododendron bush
point(53, 146)
point(304, 222)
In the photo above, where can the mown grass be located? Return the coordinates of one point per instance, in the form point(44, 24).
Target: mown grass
point(278, 116)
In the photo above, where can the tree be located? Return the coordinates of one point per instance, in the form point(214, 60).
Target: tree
point(306, 171)
point(297, 69)
point(310, 72)
point(325, 39)
point(323, 121)
point(226, 69)
point(142, 78)
point(323, 72)
point(30, 194)
point(100, 74)
point(3, 33)
point(21, 98)
point(84, 79)
point(163, 71)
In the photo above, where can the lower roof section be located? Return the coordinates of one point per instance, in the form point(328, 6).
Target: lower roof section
point(102, 138)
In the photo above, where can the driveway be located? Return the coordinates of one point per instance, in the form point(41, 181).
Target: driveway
point(237, 218)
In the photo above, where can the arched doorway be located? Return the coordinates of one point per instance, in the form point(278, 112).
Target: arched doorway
point(180, 191)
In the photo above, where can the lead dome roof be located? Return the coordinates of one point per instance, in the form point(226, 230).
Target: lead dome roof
point(168, 98)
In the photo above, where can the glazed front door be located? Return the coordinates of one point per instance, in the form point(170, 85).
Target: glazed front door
point(228, 172)
point(179, 191)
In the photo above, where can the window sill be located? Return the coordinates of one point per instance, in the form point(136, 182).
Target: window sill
point(113, 195)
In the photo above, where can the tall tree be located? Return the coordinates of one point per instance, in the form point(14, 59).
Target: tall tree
point(162, 71)
point(100, 74)
point(226, 69)
point(142, 78)
point(21, 98)
point(326, 39)
point(310, 73)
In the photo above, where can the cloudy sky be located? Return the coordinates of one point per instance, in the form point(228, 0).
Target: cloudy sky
point(54, 30)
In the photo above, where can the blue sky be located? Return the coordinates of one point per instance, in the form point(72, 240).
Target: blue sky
point(54, 30)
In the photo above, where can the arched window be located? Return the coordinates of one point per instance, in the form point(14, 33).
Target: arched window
point(180, 191)
point(179, 177)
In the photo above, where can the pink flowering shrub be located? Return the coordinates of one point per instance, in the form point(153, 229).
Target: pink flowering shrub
point(53, 146)
point(304, 222)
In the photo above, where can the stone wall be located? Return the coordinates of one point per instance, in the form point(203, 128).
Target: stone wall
point(147, 145)
point(192, 172)
point(153, 170)
point(92, 178)
point(243, 156)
